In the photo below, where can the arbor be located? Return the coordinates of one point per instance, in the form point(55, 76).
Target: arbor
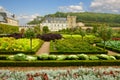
point(30, 34)
point(105, 32)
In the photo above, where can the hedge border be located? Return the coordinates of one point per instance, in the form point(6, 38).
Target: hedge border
point(75, 52)
point(53, 63)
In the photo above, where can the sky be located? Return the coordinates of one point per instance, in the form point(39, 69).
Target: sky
point(27, 10)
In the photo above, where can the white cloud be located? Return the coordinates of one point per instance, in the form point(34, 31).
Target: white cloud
point(23, 19)
point(72, 8)
point(109, 6)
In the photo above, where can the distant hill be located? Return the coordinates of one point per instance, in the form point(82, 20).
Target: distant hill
point(90, 18)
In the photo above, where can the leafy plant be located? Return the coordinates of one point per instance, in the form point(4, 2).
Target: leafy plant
point(30, 34)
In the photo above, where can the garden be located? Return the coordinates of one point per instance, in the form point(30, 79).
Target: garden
point(86, 50)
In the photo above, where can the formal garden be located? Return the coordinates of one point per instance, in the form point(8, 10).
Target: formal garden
point(84, 49)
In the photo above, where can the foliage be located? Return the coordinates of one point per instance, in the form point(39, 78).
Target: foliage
point(46, 56)
point(30, 34)
point(80, 73)
point(8, 29)
point(37, 29)
point(45, 29)
point(49, 36)
point(113, 45)
point(12, 44)
point(20, 57)
point(105, 33)
point(66, 45)
point(36, 20)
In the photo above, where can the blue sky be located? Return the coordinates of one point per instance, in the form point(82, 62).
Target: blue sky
point(26, 10)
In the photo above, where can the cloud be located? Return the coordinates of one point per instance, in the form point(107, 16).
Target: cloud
point(107, 6)
point(24, 19)
point(72, 8)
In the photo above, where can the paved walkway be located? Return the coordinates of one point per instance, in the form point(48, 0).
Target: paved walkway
point(44, 48)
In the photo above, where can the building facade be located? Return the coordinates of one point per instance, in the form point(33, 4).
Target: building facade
point(6, 18)
point(58, 23)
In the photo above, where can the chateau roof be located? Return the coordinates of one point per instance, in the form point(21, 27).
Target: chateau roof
point(49, 19)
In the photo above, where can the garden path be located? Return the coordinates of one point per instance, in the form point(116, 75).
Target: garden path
point(44, 48)
point(112, 53)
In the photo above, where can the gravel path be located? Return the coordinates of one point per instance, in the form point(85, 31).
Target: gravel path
point(51, 68)
point(44, 48)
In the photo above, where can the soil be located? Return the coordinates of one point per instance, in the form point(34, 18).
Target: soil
point(51, 68)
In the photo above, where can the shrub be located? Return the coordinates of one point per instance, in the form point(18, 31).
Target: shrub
point(20, 57)
point(83, 57)
point(103, 57)
point(49, 37)
point(93, 57)
point(43, 57)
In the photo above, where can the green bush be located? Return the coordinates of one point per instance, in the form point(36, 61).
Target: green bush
point(8, 29)
point(52, 57)
point(20, 57)
point(83, 57)
point(61, 57)
point(93, 57)
point(43, 56)
point(72, 57)
point(103, 57)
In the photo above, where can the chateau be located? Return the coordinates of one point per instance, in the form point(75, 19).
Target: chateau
point(58, 23)
point(6, 18)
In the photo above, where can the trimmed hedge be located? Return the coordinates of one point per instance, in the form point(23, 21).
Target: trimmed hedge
point(8, 29)
point(47, 63)
point(57, 53)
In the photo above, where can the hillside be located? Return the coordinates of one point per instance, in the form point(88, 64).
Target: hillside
point(90, 18)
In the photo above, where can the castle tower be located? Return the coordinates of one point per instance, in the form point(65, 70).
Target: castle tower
point(71, 21)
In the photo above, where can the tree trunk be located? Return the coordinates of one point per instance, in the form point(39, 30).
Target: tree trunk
point(31, 44)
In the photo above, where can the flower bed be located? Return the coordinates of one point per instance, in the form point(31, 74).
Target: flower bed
point(12, 45)
point(111, 45)
point(69, 74)
point(73, 46)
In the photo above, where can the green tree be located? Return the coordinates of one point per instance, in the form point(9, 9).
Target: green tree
point(105, 32)
point(30, 34)
point(45, 29)
point(37, 29)
point(82, 33)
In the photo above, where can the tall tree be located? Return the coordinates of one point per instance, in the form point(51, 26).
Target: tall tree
point(105, 32)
